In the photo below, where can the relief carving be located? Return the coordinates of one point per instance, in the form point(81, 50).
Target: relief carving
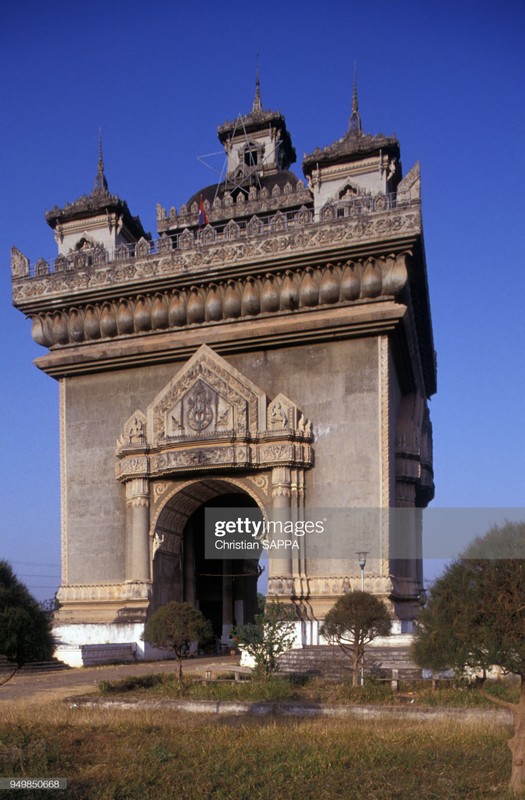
point(19, 264)
point(200, 412)
point(225, 418)
point(159, 488)
point(206, 396)
point(282, 414)
point(134, 432)
point(261, 481)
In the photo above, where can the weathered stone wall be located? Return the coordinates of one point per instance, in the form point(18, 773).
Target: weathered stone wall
point(335, 384)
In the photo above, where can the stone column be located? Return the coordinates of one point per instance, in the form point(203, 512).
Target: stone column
point(281, 565)
point(227, 599)
point(189, 569)
point(407, 562)
point(137, 498)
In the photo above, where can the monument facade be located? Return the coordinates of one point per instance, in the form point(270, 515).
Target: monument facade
point(271, 348)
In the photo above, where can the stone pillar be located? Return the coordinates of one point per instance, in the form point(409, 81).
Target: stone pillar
point(407, 538)
point(189, 569)
point(407, 563)
point(281, 565)
point(227, 600)
point(137, 498)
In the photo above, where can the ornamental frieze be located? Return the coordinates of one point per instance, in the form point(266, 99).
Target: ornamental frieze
point(108, 592)
point(336, 283)
point(200, 256)
point(195, 457)
point(131, 466)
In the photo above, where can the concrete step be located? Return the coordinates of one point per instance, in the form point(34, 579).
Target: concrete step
point(330, 662)
point(53, 665)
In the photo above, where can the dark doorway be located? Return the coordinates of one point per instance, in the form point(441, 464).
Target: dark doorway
point(225, 590)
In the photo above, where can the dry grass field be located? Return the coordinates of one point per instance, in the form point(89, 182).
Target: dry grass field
point(114, 754)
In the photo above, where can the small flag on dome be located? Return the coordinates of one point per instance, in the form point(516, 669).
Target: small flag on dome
point(203, 219)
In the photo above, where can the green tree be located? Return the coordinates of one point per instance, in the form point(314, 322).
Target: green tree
point(475, 618)
point(175, 627)
point(353, 622)
point(270, 635)
point(25, 631)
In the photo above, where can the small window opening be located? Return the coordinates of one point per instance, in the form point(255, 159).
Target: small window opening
point(250, 158)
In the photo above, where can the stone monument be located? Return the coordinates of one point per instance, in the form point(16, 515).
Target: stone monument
point(271, 348)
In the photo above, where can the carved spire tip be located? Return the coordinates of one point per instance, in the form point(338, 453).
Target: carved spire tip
point(101, 183)
point(100, 156)
point(354, 124)
point(257, 103)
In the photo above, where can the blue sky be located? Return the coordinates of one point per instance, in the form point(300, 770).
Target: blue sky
point(447, 78)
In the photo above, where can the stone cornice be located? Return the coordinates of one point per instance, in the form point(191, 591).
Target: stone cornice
point(260, 290)
point(113, 593)
point(272, 294)
point(352, 145)
point(309, 326)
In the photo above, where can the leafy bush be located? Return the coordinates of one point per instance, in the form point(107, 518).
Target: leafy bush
point(353, 622)
point(175, 627)
point(269, 636)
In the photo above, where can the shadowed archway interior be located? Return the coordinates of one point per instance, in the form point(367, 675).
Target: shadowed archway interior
point(225, 590)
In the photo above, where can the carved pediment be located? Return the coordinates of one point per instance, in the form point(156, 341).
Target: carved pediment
point(210, 416)
point(207, 397)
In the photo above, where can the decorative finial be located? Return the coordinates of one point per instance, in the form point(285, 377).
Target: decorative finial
point(354, 123)
point(101, 183)
point(257, 104)
point(100, 157)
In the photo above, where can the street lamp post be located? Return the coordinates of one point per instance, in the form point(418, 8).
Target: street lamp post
point(361, 556)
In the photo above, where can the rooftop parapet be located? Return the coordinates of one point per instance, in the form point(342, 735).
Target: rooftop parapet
point(254, 201)
point(259, 239)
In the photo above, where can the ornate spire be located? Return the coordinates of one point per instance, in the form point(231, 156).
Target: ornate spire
point(257, 104)
point(101, 184)
point(354, 123)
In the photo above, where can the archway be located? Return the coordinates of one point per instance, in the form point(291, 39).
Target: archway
point(225, 590)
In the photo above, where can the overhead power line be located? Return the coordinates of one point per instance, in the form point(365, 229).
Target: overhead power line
point(32, 563)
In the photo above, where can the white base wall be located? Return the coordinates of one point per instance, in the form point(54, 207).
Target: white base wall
point(308, 632)
point(76, 645)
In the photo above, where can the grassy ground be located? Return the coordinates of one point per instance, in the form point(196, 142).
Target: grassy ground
point(309, 691)
point(114, 755)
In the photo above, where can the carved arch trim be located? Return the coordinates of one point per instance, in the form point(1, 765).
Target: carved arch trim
point(169, 521)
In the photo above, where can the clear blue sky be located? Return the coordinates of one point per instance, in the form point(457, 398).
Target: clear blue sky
point(158, 77)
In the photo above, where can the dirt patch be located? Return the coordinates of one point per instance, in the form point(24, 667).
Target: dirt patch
point(42, 688)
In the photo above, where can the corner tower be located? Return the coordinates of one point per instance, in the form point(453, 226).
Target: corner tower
point(100, 222)
point(278, 356)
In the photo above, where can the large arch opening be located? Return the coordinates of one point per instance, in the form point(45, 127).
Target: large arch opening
point(225, 590)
